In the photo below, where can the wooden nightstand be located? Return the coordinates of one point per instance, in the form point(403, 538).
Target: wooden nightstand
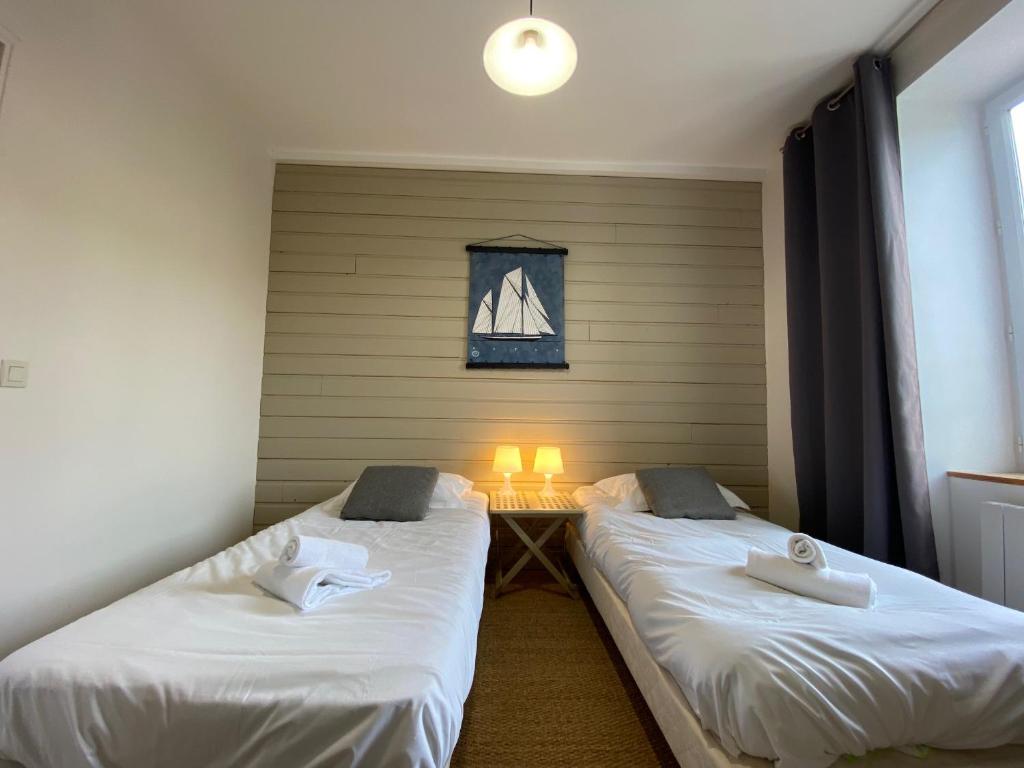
point(529, 504)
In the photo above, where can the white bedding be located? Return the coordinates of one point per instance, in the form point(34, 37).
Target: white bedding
point(203, 669)
point(788, 678)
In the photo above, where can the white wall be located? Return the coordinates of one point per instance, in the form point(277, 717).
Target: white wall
point(133, 264)
point(782, 501)
point(956, 275)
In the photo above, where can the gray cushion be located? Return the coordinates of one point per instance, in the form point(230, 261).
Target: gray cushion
point(683, 492)
point(391, 493)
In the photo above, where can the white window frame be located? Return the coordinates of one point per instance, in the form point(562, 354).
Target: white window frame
point(1009, 199)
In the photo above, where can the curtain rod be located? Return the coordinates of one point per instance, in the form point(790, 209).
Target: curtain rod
point(833, 104)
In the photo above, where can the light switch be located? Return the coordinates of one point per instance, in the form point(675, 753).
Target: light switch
point(14, 373)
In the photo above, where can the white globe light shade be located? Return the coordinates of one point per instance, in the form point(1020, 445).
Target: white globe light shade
point(530, 56)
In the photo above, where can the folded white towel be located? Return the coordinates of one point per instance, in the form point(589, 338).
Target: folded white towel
point(358, 579)
point(310, 587)
point(806, 550)
point(857, 590)
point(306, 551)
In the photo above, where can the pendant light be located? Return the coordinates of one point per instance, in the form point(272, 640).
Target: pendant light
point(530, 56)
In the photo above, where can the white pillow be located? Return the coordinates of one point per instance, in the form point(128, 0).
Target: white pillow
point(734, 500)
point(332, 507)
point(589, 495)
point(449, 493)
point(626, 490)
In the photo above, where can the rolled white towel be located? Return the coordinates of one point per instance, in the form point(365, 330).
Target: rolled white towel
point(857, 590)
point(311, 587)
point(306, 551)
point(806, 550)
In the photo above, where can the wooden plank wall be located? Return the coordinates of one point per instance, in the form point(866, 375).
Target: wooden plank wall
point(366, 330)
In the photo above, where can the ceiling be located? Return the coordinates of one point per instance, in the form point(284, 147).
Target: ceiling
point(985, 64)
point(687, 83)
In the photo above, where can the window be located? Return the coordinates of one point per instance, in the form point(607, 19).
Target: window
point(1017, 120)
point(1004, 123)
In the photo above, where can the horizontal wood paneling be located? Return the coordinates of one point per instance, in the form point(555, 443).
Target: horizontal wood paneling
point(349, 469)
point(402, 327)
point(347, 285)
point(411, 306)
point(562, 231)
point(454, 248)
point(589, 272)
point(453, 450)
point(513, 210)
point(492, 432)
point(366, 326)
point(409, 348)
point(511, 410)
point(520, 391)
point(439, 368)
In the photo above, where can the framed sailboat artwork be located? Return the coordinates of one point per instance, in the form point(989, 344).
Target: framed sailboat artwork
point(516, 304)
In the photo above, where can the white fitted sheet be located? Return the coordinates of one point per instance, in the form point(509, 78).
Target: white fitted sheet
point(203, 669)
point(790, 679)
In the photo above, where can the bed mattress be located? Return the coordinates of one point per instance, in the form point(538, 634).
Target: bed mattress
point(801, 682)
point(203, 669)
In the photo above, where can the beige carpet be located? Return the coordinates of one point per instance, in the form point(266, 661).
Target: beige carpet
point(551, 690)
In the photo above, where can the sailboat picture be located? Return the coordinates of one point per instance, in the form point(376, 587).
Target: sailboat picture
point(516, 305)
point(519, 316)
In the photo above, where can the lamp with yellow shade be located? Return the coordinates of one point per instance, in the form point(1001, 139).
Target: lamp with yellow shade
point(507, 461)
point(548, 462)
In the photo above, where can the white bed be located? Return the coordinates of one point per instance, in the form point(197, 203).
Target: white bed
point(733, 668)
point(203, 669)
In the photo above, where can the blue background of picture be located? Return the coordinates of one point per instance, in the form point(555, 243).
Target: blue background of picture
point(546, 273)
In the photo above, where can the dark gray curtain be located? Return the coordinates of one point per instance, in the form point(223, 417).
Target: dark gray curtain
point(857, 436)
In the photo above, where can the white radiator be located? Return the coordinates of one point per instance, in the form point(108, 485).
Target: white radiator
point(1002, 554)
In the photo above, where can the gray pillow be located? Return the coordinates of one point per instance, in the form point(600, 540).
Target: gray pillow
point(401, 494)
point(683, 492)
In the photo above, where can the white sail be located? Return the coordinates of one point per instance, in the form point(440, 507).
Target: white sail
point(484, 315)
point(529, 322)
point(538, 317)
point(509, 316)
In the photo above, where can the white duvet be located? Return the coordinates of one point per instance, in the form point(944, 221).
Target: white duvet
point(792, 679)
point(202, 669)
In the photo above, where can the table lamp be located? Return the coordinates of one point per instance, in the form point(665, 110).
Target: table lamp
point(507, 460)
point(548, 462)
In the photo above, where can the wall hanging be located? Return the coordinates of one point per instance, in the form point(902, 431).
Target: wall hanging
point(516, 304)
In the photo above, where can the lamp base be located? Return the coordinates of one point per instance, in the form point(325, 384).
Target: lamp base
point(507, 488)
point(548, 489)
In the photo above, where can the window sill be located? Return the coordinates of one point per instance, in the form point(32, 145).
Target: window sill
point(1003, 478)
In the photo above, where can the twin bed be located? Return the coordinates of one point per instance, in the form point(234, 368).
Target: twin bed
point(202, 668)
point(740, 673)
